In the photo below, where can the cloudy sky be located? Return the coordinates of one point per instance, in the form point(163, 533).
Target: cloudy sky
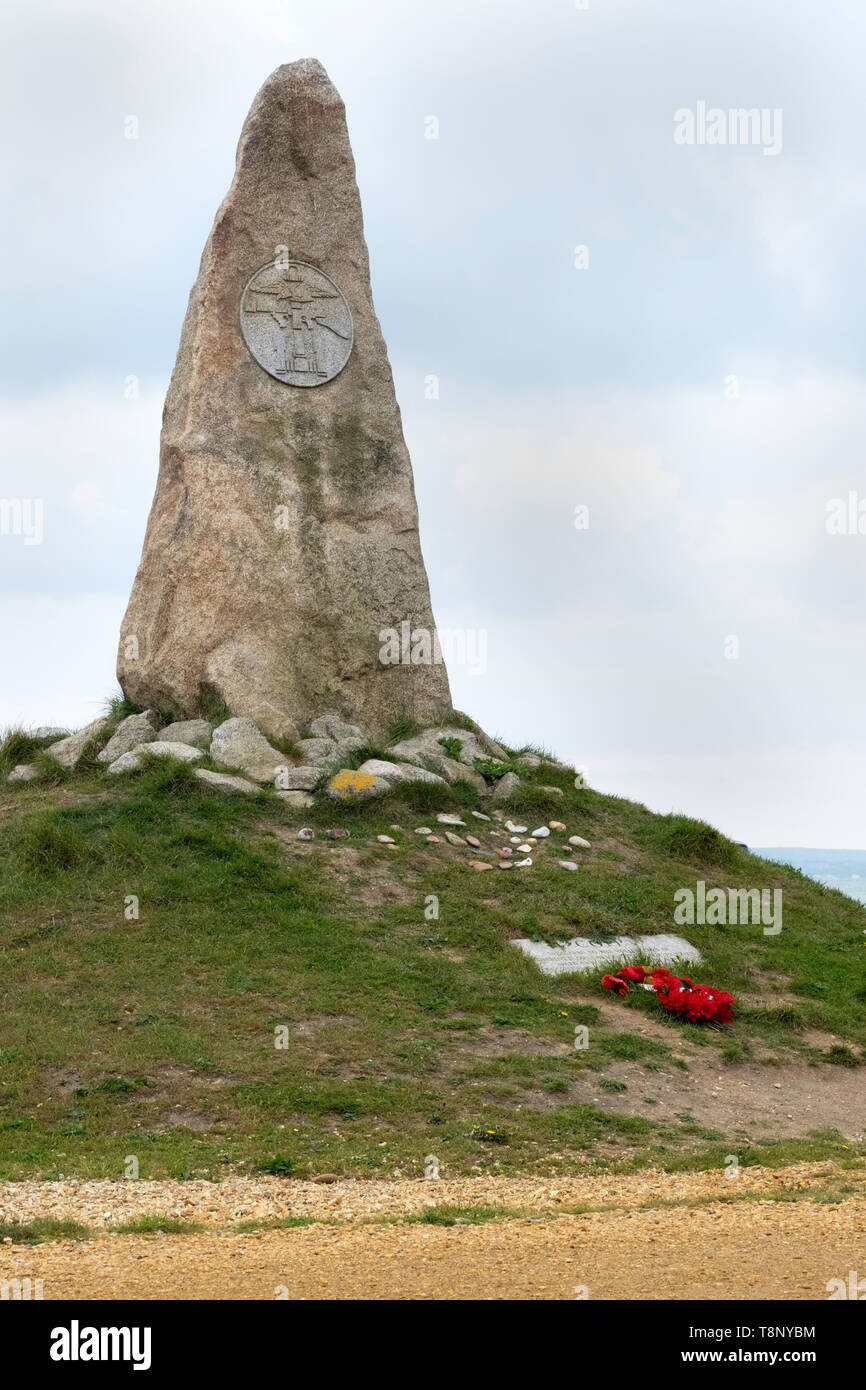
point(693, 378)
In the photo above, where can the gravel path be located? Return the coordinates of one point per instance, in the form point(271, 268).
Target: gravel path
point(642, 1248)
point(747, 1251)
point(106, 1204)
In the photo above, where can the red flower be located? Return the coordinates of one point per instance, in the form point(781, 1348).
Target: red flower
point(678, 995)
point(614, 983)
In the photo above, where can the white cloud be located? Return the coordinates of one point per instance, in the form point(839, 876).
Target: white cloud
point(91, 456)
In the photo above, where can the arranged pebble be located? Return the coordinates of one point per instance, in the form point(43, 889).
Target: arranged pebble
point(471, 840)
point(542, 832)
point(433, 840)
point(556, 825)
point(306, 833)
point(479, 864)
point(479, 815)
point(384, 839)
point(423, 830)
point(566, 863)
point(523, 863)
point(576, 840)
point(449, 818)
point(515, 839)
point(516, 829)
point(337, 834)
point(453, 839)
point(506, 864)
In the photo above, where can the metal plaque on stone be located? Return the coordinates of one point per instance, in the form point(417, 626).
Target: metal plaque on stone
point(296, 323)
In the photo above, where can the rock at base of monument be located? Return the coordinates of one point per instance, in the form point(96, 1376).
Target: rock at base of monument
point(23, 772)
point(301, 800)
point(505, 787)
point(351, 785)
point(130, 733)
point(291, 778)
point(198, 732)
point(46, 732)
point(337, 730)
point(136, 758)
point(225, 782)
point(411, 773)
point(399, 772)
point(459, 772)
point(378, 767)
point(239, 743)
point(428, 747)
point(318, 752)
point(68, 752)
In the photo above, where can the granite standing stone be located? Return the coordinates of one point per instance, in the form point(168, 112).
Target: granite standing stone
point(283, 536)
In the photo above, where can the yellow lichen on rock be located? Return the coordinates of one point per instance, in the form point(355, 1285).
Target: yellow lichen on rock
point(349, 784)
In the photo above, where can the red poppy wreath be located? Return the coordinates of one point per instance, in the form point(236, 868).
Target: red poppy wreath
point(678, 994)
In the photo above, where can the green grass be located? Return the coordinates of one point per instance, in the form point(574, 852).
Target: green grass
point(278, 1223)
point(43, 1229)
point(446, 1215)
point(153, 1036)
point(19, 746)
point(154, 1222)
point(403, 727)
point(452, 746)
point(278, 1166)
point(118, 707)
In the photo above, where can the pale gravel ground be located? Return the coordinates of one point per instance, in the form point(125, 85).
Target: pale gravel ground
point(106, 1203)
point(752, 1250)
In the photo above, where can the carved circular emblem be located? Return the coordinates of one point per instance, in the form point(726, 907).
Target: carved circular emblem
point(296, 323)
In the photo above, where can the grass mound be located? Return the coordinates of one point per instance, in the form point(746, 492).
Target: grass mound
point(186, 983)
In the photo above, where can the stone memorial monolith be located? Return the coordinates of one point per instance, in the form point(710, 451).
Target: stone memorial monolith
point(283, 536)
